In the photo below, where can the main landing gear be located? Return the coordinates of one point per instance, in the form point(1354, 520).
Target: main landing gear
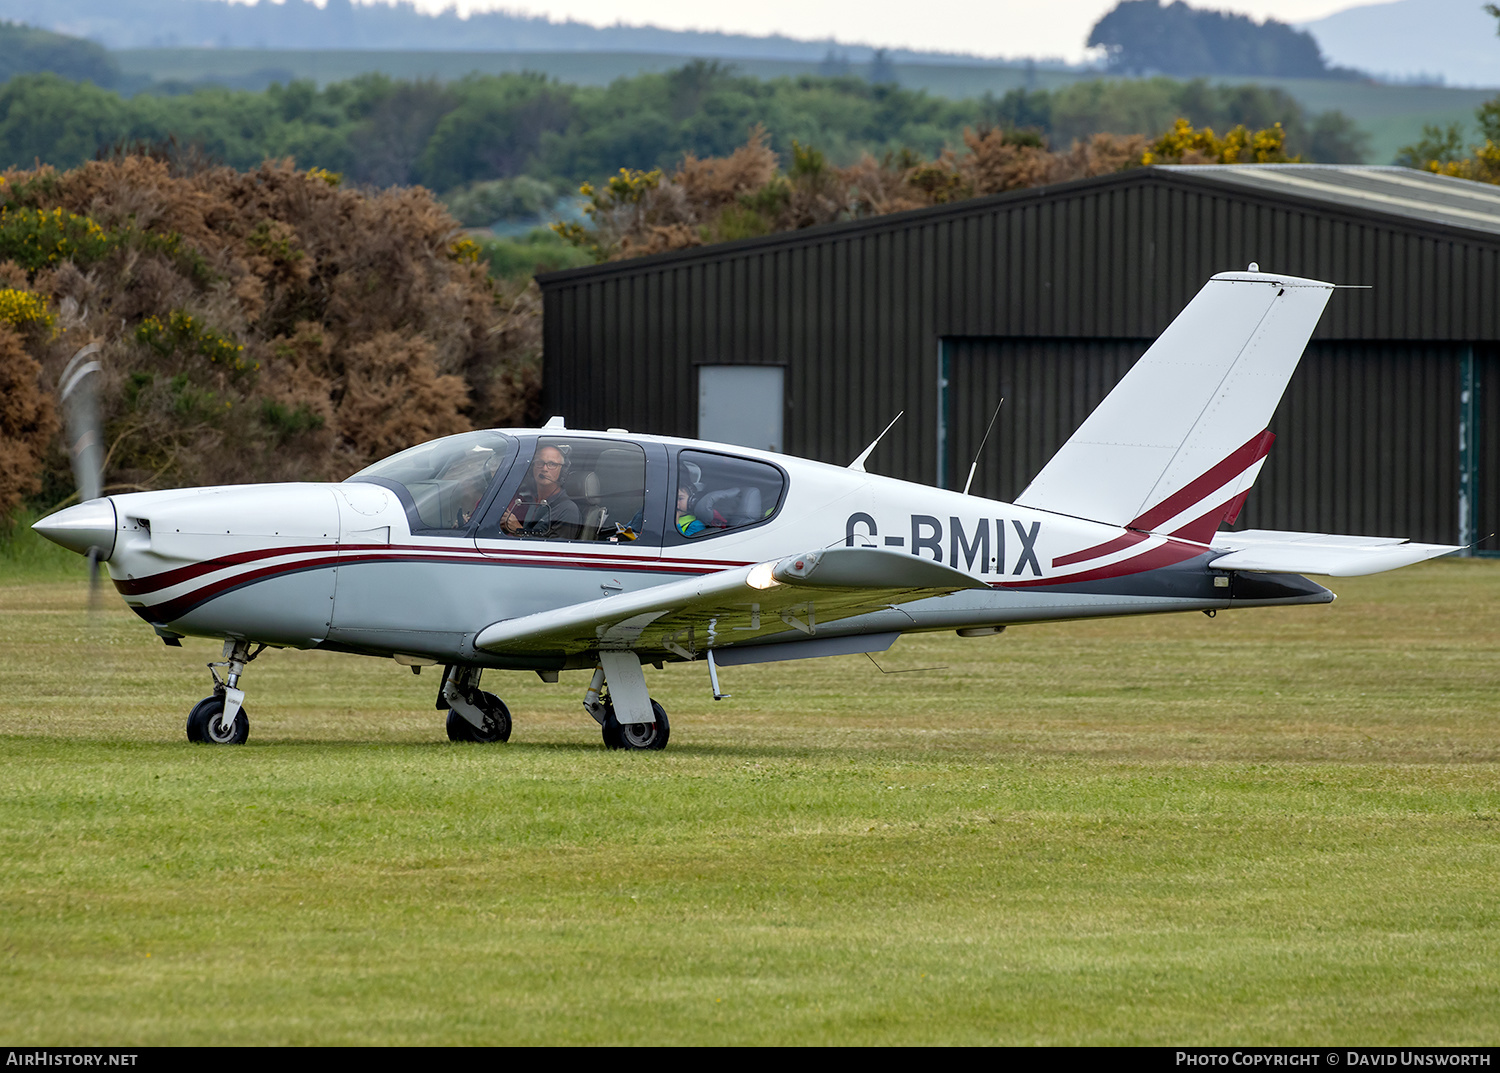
point(626, 714)
point(220, 719)
point(473, 715)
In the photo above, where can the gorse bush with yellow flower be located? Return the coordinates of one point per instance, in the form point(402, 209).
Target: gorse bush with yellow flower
point(1185, 144)
point(1445, 150)
point(182, 332)
point(38, 238)
point(23, 309)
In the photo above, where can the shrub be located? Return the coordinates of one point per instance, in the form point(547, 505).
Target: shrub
point(254, 326)
point(182, 332)
point(1185, 145)
point(27, 421)
point(36, 238)
point(23, 309)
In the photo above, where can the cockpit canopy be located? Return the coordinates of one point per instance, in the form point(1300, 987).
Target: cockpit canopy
point(444, 479)
point(578, 487)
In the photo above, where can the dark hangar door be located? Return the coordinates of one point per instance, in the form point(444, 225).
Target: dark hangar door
point(1366, 443)
point(1367, 433)
point(1049, 387)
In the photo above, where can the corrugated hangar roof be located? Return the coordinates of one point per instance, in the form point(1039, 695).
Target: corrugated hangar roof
point(1384, 188)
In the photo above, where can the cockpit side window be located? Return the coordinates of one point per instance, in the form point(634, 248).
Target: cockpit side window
point(716, 493)
point(575, 488)
point(443, 483)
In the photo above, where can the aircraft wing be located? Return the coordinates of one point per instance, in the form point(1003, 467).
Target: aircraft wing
point(1319, 553)
point(796, 593)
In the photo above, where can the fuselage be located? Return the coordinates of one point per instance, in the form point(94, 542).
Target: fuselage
point(402, 561)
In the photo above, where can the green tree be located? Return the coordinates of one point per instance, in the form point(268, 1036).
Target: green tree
point(496, 131)
point(1144, 37)
point(47, 118)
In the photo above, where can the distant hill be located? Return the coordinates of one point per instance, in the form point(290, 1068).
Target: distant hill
point(24, 49)
point(299, 24)
point(1453, 39)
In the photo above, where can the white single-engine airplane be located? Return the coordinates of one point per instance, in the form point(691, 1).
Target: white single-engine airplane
point(552, 549)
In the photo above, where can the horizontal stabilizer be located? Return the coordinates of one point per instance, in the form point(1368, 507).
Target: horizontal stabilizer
point(1319, 553)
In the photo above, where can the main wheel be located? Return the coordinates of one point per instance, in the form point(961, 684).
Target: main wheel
point(618, 735)
point(204, 724)
point(496, 721)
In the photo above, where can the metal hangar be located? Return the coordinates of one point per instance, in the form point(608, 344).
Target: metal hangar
point(809, 342)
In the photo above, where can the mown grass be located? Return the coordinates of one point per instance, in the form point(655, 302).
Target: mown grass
point(1278, 826)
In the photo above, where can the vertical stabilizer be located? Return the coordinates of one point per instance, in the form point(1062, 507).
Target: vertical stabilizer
point(1176, 445)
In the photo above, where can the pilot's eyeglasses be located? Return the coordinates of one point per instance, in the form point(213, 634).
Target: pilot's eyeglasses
point(549, 465)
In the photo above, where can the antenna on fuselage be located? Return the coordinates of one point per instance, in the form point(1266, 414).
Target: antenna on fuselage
point(982, 442)
point(858, 465)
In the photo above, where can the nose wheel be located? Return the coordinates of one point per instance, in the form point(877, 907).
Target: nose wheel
point(205, 723)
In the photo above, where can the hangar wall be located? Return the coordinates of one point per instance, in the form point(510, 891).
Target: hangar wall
point(864, 316)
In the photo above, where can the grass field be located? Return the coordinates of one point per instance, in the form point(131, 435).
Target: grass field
point(1393, 115)
point(1276, 826)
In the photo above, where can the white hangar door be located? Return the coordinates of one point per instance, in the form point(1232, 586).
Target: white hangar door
point(742, 405)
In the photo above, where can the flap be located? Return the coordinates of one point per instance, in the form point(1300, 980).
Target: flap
point(685, 618)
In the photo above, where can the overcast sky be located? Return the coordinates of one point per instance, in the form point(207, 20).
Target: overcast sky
point(992, 28)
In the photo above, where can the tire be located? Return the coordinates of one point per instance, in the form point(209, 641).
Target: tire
point(496, 722)
point(203, 724)
point(618, 735)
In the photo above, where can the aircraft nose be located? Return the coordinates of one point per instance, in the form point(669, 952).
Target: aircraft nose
point(79, 528)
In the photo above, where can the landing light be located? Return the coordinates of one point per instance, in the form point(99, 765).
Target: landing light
point(761, 576)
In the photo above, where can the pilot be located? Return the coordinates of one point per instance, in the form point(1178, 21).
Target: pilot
point(544, 510)
point(687, 523)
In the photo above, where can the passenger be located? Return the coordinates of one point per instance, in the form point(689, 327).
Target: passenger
point(687, 524)
point(543, 510)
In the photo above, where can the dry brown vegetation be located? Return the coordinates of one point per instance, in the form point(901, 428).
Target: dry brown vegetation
point(261, 325)
point(27, 421)
point(747, 193)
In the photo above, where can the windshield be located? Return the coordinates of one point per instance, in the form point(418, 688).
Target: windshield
point(446, 478)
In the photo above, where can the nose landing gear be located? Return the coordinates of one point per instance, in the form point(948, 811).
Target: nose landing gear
point(221, 719)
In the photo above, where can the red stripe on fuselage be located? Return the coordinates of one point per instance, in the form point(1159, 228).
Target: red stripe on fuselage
point(178, 606)
point(405, 552)
point(1098, 551)
point(1168, 554)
